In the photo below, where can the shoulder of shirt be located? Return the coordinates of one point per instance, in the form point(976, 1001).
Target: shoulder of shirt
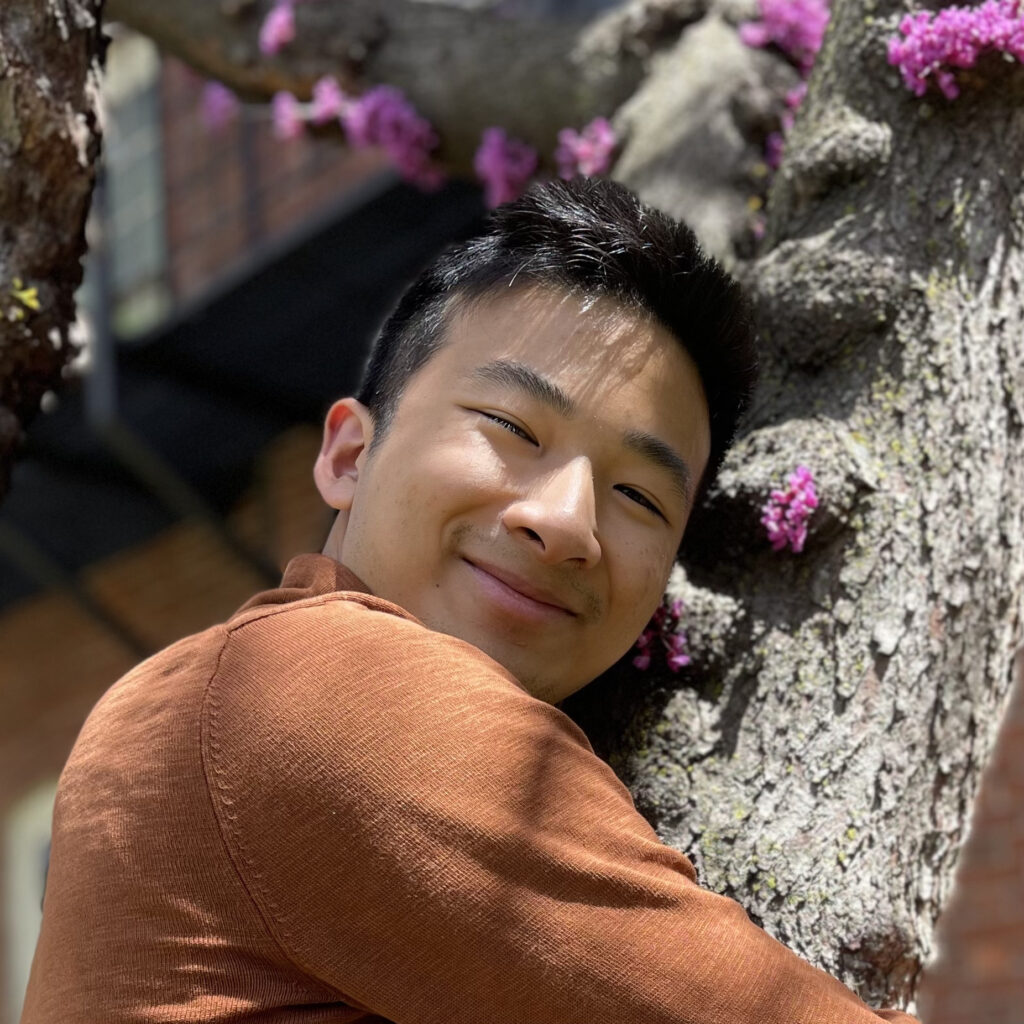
point(325, 605)
point(347, 619)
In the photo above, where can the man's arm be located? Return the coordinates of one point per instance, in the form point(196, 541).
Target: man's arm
point(424, 836)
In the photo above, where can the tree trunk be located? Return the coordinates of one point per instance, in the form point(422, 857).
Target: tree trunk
point(821, 759)
point(49, 143)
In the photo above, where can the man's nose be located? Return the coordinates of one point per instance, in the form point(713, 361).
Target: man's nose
point(557, 515)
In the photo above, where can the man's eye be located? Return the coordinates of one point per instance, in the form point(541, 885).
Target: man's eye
point(512, 428)
point(635, 495)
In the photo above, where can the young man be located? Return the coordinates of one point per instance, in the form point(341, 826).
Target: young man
point(355, 800)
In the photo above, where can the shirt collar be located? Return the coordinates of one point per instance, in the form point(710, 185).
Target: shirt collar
point(308, 576)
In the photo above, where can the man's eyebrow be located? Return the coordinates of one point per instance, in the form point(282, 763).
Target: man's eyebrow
point(510, 374)
point(665, 457)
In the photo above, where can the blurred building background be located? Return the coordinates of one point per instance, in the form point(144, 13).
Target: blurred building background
point(233, 285)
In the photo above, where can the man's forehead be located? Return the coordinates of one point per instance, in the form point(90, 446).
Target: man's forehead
point(555, 329)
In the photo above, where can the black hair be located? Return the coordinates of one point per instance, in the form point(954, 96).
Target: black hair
point(590, 236)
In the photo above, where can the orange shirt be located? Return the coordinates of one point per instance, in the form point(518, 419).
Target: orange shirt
point(323, 811)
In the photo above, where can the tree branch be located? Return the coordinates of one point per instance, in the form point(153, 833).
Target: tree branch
point(465, 68)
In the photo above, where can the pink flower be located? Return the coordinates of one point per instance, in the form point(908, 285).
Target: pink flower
point(663, 629)
point(796, 27)
point(218, 106)
point(773, 147)
point(288, 120)
point(504, 165)
point(785, 514)
point(677, 661)
point(775, 144)
point(328, 100)
point(278, 28)
point(588, 152)
point(796, 96)
point(383, 117)
point(954, 37)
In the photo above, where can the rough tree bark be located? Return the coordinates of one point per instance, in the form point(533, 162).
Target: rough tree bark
point(820, 758)
point(49, 142)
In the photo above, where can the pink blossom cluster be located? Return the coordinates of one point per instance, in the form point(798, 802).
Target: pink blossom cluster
point(278, 28)
point(328, 101)
point(955, 37)
point(505, 166)
point(383, 117)
point(776, 141)
point(796, 27)
point(785, 514)
point(218, 106)
point(586, 152)
point(663, 630)
point(289, 119)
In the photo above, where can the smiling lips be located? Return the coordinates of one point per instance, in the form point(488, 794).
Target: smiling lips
point(519, 596)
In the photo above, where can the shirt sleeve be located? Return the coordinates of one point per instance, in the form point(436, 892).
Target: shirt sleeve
point(420, 833)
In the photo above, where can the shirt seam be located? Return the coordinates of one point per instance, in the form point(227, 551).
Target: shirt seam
point(208, 757)
point(368, 601)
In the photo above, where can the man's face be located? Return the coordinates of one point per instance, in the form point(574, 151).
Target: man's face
point(532, 489)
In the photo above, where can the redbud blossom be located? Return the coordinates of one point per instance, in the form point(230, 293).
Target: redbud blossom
point(796, 27)
point(773, 148)
point(504, 165)
point(776, 141)
point(955, 38)
point(218, 106)
point(288, 120)
point(785, 514)
point(383, 117)
point(663, 630)
point(588, 152)
point(328, 100)
point(642, 661)
point(278, 28)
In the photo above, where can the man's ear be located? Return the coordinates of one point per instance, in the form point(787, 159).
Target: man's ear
point(348, 431)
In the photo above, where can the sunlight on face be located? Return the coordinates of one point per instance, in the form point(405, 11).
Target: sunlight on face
point(534, 484)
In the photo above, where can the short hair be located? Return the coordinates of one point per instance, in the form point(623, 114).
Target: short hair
point(586, 236)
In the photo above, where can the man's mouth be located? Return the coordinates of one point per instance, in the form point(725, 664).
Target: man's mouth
point(519, 595)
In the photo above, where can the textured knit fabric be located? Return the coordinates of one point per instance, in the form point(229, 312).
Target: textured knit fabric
point(323, 811)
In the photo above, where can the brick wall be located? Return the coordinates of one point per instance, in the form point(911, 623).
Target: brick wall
point(58, 660)
point(230, 191)
point(979, 976)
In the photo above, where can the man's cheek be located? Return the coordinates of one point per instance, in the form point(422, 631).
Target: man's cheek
point(654, 568)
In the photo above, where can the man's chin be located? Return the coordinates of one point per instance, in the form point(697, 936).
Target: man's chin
point(533, 667)
point(530, 669)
